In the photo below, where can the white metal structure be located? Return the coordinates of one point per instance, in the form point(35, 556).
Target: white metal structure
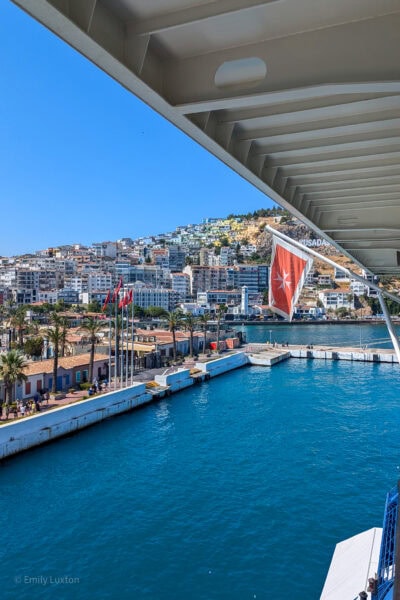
point(301, 97)
point(354, 561)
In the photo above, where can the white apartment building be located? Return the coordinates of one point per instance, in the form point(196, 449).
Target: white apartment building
point(8, 277)
point(49, 296)
point(28, 279)
point(340, 275)
point(325, 280)
point(149, 274)
point(248, 250)
point(206, 278)
point(94, 296)
point(180, 283)
point(373, 279)
point(210, 298)
point(145, 296)
point(311, 278)
point(77, 283)
point(226, 256)
point(99, 281)
point(334, 299)
point(176, 257)
point(358, 288)
point(105, 249)
point(20, 296)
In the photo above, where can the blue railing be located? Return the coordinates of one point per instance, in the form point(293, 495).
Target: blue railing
point(387, 557)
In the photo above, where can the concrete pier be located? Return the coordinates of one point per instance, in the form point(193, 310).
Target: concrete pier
point(266, 355)
point(376, 355)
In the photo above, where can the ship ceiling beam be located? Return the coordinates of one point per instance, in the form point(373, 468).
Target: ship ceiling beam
point(354, 247)
point(367, 48)
point(352, 112)
point(346, 186)
point(294, 142)
point(316, 166)
point(335, 150)
point(314, 100)
point(194, 14)
point(377, 192)
point(340, 134)
point(299, 96)
point(342, 204)
point(332, 176)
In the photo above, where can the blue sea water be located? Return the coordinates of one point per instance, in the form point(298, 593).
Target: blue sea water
point(238, 489)
point(331, 334)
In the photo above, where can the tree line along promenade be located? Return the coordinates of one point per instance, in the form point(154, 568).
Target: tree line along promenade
point(82, 353)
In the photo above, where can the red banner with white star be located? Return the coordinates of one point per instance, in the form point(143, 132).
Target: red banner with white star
point(288, 271)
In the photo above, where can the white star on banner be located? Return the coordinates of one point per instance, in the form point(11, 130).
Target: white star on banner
point(283, 281)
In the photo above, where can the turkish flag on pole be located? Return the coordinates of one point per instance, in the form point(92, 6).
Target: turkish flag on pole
point(116, 291)
point(288, 271)
point(106, 301)
point(124, 301)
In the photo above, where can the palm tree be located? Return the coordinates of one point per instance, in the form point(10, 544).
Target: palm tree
point(203, 320)
point(221, 310)
point(92, 327)
point(190, 323)
point(18, 322)
point(12, 365)
point(63, 335)
point(34, 328)
point(54, 335)
point(174, 322)
point(33, 346)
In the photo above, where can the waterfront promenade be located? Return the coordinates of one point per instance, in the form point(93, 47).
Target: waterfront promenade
point(261, 354)
point(75, 412)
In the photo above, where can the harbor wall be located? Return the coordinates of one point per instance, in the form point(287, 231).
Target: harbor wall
point(361, 356)
point(222, 365)
point(41, 428)
point(265, 360)
point(179, 380)
point(38, 429)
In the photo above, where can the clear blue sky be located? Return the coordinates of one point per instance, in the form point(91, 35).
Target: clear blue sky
point(82, 160)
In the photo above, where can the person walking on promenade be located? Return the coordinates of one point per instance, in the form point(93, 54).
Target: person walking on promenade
point(22, 409)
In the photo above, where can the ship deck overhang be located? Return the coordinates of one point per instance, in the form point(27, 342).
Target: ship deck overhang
point(301, 98)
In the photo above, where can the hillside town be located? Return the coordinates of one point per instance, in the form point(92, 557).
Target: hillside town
point(194, 268)
point(180, 295)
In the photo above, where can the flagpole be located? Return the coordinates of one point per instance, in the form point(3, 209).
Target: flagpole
point(127, 344)
point(109, 349)
point(122, 345)
point(381, 292)
point(116, 333)
point(133, 339)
